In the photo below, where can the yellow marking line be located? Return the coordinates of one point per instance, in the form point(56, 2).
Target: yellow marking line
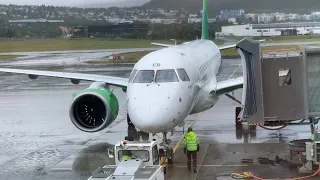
point(178, 144)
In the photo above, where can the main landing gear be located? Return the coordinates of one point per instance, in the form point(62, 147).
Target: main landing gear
point(165, 151)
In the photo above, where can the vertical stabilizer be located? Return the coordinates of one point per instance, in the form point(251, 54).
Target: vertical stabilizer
point(205, 30)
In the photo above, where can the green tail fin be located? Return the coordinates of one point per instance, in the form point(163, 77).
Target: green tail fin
point(205, 30)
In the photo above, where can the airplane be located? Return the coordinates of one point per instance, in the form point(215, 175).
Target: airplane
point(164, 87)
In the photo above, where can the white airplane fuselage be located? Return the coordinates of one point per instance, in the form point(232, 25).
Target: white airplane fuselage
point(160, 106)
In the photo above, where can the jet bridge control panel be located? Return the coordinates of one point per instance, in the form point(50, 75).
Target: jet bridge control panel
point(279, 87)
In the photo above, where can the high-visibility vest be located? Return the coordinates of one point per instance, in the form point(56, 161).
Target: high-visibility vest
point(191, 141)
point(125, 157)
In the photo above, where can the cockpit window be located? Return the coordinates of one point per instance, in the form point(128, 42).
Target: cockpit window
point(134, 72)
point(144, 76)
point(183, 75)
point(168, 75)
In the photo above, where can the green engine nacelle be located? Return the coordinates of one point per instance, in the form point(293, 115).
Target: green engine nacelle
point(94, 109)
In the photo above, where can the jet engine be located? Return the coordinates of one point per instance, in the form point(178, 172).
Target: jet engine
point(94, 108)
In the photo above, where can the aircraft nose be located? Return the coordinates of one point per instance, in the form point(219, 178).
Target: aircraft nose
point(149, 117)
point(155, 114)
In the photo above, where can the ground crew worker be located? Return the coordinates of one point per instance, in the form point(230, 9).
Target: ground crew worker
point(191, 147)
point(126, 156)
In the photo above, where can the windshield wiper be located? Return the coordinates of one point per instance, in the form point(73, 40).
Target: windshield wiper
point(153, 81)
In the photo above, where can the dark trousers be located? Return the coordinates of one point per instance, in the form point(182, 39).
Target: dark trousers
point(192, 154)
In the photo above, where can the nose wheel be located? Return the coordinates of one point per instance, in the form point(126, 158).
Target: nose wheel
point(166, 151)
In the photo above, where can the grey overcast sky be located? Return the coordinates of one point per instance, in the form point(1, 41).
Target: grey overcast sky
point(78, 3)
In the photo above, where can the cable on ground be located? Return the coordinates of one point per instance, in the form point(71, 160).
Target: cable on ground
point(249, 175)
point(269, 128)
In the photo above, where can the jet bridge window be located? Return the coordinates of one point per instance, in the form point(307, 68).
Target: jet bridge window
point(168, 75)
point(144, 76)
point(183, 75)
point(284, 77)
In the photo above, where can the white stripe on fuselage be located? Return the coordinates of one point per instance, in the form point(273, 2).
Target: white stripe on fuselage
point(159, 107)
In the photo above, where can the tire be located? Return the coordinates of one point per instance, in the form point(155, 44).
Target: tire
point(170, 160)
point(239, 131)
point(253, 131)
point(237, 112)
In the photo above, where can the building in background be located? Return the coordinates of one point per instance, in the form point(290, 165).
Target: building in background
point(26, 22)
point(226, 14)
point(199, 19)
point(271, 29)
point(315, 15)
point(118, 30)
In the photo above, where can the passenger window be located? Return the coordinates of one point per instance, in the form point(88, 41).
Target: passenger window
point(155, 155)
point(183, 75)
point(144, 76)
point(166, 76)
point(134, 72)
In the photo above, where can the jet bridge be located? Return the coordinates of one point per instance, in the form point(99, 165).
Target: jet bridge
point(280, 89)
point(283, 89)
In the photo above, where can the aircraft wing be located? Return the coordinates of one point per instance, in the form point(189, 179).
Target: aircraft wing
point(163, 45)
point(115, 81)
point(227, 47)
point(166, 45)
point(233, 45)
point(229, 85)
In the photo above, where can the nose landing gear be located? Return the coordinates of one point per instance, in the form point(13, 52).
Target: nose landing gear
point(129, 121)
point(165, 151)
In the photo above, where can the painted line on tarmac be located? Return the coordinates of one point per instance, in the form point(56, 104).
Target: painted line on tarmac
point(204, 155)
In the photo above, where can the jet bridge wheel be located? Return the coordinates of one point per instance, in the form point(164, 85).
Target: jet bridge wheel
point(239, 131)
point(237, 112)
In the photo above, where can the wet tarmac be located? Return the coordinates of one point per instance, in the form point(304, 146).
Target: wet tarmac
point(64, 57)
point(38, 140)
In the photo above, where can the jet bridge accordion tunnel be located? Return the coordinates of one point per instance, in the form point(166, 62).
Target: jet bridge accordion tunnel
point(279, 89)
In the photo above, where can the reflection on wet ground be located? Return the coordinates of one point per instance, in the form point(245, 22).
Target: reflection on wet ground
point(38, 141)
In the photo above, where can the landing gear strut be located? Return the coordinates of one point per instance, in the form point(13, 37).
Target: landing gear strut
point(166, 151)
point(129, 121)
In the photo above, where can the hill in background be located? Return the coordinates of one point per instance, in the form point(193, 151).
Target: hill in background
point(254, 6)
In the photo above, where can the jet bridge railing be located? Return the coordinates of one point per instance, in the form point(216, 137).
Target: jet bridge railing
point(274, 88)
